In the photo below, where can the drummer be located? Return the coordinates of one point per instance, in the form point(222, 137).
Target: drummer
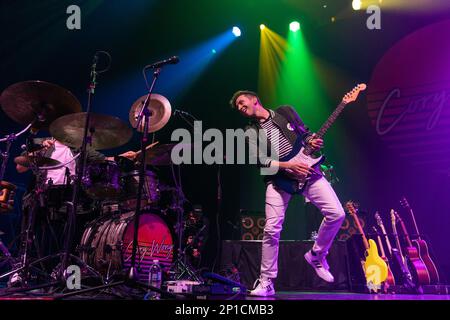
point(54, 149)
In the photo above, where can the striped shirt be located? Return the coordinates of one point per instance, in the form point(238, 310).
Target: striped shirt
point(276, 138)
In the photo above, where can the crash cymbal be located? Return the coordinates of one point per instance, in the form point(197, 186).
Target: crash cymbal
point(107, 131)
point(29, 161)
point(160, 155)
point(26, 101)
point(160, 112)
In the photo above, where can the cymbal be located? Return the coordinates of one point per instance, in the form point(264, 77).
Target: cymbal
point(160, 112)
point(160, 155)
point(28, 161)
point(107, 131)
point(26, 101)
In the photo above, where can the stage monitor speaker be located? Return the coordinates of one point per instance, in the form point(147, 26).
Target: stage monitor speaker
point(252, 225)
point(349, 228)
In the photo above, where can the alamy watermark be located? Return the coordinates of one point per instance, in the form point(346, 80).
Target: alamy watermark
point(73, 21)
point(373, 22)
point(228, 148)
point(73, 281)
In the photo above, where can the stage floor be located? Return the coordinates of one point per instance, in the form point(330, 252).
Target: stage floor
point(290, 295)
point(280, 296)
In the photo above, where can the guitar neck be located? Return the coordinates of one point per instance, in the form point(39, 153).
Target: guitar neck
point(414, 222)
point(408, 240)
point(358, 225)
point(380, 245)
point(397, 240)
point(331, 119)
point(386, 237)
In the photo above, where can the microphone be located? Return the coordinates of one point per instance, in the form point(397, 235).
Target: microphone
point(172, 60)
point(184, 113)
point(94, 64)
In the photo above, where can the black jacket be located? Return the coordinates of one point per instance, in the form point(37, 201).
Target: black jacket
point(290, 124)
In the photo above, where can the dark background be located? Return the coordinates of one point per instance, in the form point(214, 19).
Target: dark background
point(36, 45)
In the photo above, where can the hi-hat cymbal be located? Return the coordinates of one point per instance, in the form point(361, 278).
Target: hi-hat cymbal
point(107, 131)
point(27, 101)
point(160, 155)
point(160, 112)
point(39, 161)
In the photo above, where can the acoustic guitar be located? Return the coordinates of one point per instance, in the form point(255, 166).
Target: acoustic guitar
point(422, 246)
point(417, 268)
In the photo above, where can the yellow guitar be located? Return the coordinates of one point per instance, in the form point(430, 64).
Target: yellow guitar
point(375, 268)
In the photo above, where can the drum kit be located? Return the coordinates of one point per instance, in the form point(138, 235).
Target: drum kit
point(109, 189)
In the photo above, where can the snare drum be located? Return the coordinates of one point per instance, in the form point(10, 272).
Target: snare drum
point(102, 180)
point(107, 244)
point(7, 191)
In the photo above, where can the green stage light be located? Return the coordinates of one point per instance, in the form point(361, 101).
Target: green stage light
point(294, 26)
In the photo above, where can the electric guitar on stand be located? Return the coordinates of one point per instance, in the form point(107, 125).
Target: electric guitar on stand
point(292, 183)
point(374, 267)
point(422, 246)
point(406, 277)
point(390, 280)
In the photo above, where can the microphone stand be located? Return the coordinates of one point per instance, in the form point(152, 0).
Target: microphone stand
point(144, 115)
point(81, 169)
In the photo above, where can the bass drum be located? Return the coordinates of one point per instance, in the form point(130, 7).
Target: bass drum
point(107, 244)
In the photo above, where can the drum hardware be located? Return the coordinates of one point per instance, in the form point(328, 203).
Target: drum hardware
point(7, 190)
point(97, 137)
point(22, 269)
point(78, 127)
point(102, 180)
point(181, 267)
point(141, 120)
point(130, 183)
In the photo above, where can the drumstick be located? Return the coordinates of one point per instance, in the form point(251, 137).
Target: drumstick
point(148, 147)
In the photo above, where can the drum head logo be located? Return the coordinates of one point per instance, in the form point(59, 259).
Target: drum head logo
point(409, 98)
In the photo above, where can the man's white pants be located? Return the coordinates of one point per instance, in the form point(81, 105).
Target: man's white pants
point(322, 195)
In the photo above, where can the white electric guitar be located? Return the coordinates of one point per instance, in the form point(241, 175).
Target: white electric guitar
point(286, 179)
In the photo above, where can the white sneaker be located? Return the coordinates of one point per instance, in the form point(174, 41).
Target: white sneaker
point(320, 265)
point(263, 289)
point(15, 280)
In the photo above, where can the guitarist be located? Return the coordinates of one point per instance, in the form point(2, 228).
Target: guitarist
point(283, 127)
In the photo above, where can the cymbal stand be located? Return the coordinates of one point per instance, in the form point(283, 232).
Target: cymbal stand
point(181, 267)
point(5, 155)
point(28, 229)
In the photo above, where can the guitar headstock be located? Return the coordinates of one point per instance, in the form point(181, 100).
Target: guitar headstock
point(353, 95)
point(405, 203)
point(351, 207)
point(393, 216)
point(378, 219)
point(397, 216)
point(375, 230)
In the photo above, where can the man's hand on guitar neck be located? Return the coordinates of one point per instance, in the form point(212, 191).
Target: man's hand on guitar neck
point(315, 142)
